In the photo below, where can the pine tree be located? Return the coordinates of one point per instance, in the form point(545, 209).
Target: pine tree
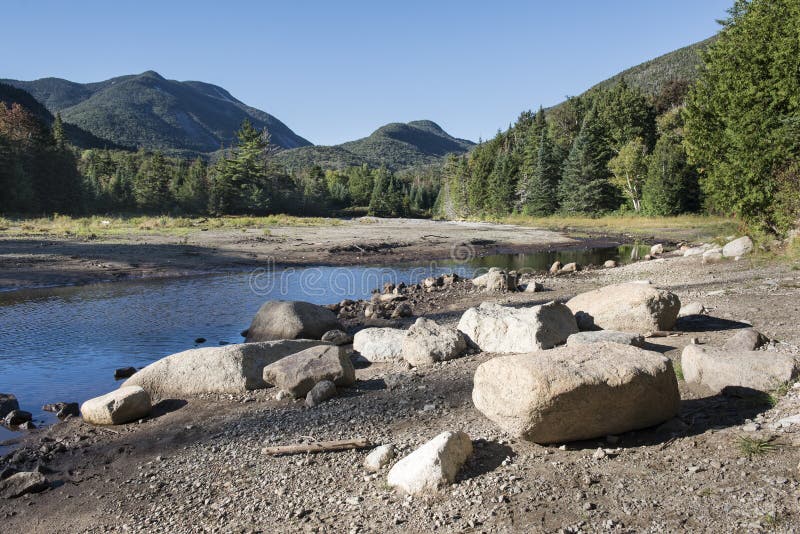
point(151, 186)
point(585, 187)
point(671, 186)
point(58, 131)
point(541, 191)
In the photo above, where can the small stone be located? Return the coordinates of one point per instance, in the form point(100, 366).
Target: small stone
point(610, 264)
point(751, 427)
point(588, 506)
point(17, 417)
point(337, 337)
point(124, 372)
point(8, 403)
point(321, 392)
point(599, 454)
point(379, 457)
point(22, 483)
point(201, 340)
point(281, 395)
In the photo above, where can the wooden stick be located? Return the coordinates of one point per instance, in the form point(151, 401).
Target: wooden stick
point(318, 446)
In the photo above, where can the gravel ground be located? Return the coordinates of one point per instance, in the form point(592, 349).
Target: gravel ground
point(196, 464)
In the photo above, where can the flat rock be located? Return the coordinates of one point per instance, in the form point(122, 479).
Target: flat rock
point(629, 307)
point(22, 483)
point(577, 392)
point(126, 404)
point(722, 368)
point(281, 319)
point(380, 344)
point(426, 343)
point(298, 373)
point(738, 247)
point(501, 329)
point(433, 465)
point(235, 368)
point(606, 336)
point(8, 403)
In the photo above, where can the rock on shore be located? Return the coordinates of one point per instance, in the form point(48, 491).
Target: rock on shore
point(227, 369)
point(577, 392)
point(630, 307)
point(505, 330)
point(426, 343)
point(380, 344)
point(120, 406)
point(298, 373)
point(433, 465)
point(280, 319)
point(721, 368)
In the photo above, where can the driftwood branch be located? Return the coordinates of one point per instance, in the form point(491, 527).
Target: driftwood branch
point(318, 446)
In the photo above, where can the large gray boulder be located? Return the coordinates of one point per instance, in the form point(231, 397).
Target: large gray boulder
point(504, 330)
point(605, 336)
point(630, 307)
point(120, 406)
point(721, 368)
point(8, 403)
point(433, 465)
point(427, 342)
point(745, 339)
point(299, 373)
point(281, 319)
point(22, 483)
point(227, 369)
point(738, 247)
point(380, 344)
point(578, 392)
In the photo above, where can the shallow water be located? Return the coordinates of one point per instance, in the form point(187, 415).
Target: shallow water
point(63, 344)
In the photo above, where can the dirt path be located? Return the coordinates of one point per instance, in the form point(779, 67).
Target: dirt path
point(37, 262)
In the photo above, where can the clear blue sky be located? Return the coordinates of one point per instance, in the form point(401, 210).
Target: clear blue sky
point(336, 70)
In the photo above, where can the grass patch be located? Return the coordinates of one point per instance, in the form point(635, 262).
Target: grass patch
point(108, 226)
point(678, 370)
point(680, 227)
point(754, 446)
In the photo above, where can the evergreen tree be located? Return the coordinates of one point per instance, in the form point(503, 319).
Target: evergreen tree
point(58, 131)
point(500, 188)
point(540, 196)
point(151, 186)
point(671, 186)
point(585, 187)
point(361, 185)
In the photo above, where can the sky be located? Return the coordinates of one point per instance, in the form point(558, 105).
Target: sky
point(334, 71)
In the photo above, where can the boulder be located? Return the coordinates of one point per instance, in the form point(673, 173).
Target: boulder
point(8, 403)
point(693, 308)
point(63, 409)
point(227, 369)
point(746, 339)
point(427, 342)
point(713, 255)
point(696, 251)
point(20, 484)
point(569, 268)
point(380, 344)
point(337, 337)
point(657, 249)
point(403, 309)
point(532, 286)
point(722, 368)
point(610, 264)
point(126, 404)
point(577, 392)
point(497, 280)
point(17, 417)
point(555, 267)
point(433, 465)
point(321, 392)
point(605, 336)
point(378, 458)
point(630, 307)
point(298, 373)
point(500, 329)
point(738, 247)
point(280, 319)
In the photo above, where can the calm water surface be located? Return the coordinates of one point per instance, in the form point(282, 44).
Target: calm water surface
point(63, 344)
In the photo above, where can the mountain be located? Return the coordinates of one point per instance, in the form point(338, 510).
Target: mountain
point(148, 111)
point(396, 145)
point(77, 136)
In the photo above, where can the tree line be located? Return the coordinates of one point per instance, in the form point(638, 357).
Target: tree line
point(40, 173)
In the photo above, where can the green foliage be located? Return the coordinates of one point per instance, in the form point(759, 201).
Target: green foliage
point(629, 168)
point(671, 187)
point(360, 183)
point(742, 126)
point(754, 446)
point(585, 185)
point(387, 198)
point(539, 196)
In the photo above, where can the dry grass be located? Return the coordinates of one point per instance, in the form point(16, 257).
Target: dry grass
point(681, 227)
point(105, 226)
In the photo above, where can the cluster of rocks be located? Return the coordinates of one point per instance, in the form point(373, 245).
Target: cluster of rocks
point(710, 253)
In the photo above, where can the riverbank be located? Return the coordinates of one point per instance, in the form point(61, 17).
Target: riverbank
point(196, 463)
point(63, 251)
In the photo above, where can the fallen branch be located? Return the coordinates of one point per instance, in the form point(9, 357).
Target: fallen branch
point(318, 446)
point(661, 333)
